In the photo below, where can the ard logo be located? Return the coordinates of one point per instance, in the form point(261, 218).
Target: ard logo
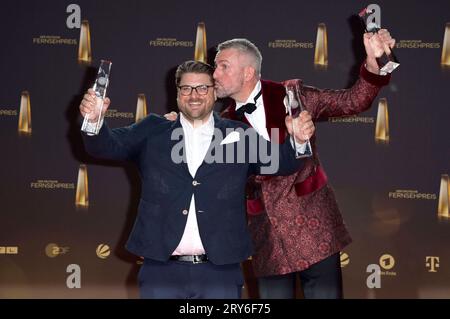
point(387, 262)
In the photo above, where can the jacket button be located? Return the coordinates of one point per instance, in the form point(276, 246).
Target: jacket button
point(195, 183)
point(185, 211)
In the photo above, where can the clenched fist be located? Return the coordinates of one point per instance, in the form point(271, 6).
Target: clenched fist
point(89, 106)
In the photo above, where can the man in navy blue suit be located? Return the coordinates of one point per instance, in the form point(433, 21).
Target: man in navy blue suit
point(191, 225)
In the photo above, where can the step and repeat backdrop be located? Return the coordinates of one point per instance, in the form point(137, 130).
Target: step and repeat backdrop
point(65, 217)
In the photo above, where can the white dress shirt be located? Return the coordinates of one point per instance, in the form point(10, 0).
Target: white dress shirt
point(197, 141)
point(257, 118)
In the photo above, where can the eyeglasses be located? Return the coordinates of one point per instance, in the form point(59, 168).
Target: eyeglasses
point(200, 89)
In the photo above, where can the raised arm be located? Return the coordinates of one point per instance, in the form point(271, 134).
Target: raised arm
point(325, 103)
point(120, 143)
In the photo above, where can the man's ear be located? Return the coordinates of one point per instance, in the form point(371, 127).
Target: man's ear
point(249, 73)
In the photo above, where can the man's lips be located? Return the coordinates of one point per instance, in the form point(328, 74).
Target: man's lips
point(194, 104)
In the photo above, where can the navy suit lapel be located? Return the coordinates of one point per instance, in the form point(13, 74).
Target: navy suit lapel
point(179, 138)
point(220, 125)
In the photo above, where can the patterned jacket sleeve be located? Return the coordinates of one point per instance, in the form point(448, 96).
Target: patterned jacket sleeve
point(325, 103)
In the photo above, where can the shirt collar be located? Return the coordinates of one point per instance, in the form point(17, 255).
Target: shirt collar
point(207, 128)
point(251, 98)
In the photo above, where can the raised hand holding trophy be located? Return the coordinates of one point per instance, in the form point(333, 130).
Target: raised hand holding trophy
point(370, 17)
point(294, 107)
point(100, 85)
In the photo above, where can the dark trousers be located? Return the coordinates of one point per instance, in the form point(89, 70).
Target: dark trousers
point(322, 280)
point(183, 280)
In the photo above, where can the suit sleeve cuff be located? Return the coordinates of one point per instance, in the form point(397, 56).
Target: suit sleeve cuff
point(299, 148)
point(375, 79)
point(91, 127)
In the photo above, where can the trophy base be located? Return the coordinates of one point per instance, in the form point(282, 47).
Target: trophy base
point(302, 156)
point(93, 128)
point(307, 153)
point(388, 62)
point(90, 128)
point(389, 67)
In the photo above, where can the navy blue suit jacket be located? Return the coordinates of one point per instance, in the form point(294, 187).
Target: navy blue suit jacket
point(167, 187)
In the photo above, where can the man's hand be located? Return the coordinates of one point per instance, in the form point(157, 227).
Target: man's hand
point(303, 126)
point(172, 116)
point(376, 44)
point(88, 105)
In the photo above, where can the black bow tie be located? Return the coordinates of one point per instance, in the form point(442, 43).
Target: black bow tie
point(248, 108)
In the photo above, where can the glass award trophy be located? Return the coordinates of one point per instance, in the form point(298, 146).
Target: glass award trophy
point(388, 62)
point(101, 83)
point(294, 107)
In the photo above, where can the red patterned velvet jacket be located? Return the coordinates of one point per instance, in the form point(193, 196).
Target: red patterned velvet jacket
point(302, 224)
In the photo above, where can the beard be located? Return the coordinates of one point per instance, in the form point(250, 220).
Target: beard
point(232, 88)
point(221, 92)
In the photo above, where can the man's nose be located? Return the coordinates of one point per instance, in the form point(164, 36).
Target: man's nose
point(194, 92)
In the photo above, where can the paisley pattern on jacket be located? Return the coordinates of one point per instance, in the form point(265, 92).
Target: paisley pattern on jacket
point(294, 231)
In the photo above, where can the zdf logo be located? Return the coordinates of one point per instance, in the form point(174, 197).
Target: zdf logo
point(53, 250)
